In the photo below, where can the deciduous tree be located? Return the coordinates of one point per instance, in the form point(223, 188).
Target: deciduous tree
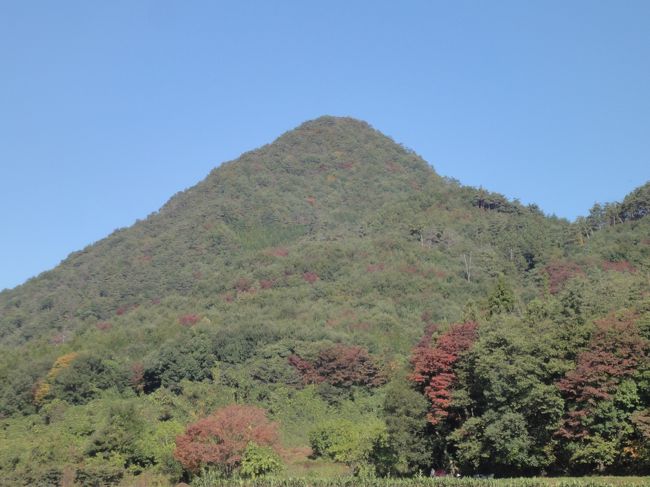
point(221, 439)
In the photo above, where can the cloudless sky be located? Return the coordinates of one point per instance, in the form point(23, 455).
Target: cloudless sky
point(109, 108)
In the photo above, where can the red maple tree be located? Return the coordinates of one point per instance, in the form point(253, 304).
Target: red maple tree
point(614, 352)
point(136, 379)
point(305, 369)
point(103, 325)
point(433, 366)
point(340, 365)
point(267, 283)
point(189, 319)
point(310, 277)
point(618, 266)
point(220, 439)
point(559, 272)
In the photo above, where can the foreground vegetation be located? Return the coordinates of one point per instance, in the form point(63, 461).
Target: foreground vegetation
point(445, 482)
point(351, 310)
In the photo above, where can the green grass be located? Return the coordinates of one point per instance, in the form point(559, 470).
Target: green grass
point(443, 482)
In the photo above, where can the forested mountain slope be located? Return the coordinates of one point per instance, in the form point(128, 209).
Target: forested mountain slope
point(328, 277)
point(324, 181)
point(330, 180)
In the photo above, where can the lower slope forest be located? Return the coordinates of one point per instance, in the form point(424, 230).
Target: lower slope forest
point(327, 306)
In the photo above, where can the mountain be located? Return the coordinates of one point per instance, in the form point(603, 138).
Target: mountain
point(300, 277)
point(327, 181)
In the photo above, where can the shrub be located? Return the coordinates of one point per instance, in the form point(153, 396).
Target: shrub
point(259, 460)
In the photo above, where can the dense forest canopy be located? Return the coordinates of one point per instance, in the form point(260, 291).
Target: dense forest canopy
point(348, 308)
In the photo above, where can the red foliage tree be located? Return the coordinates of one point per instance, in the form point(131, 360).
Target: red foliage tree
point(310, 277)
point(189, 319)
point(59, 338)
point(559, 273)
point(393, 167)
point(410, 269)
point(278, 252)
point(345, 366)
point(220, 439)
point(429, 330)
point(103, 325)
point(619, 266)
point(433, 366)
point(305, 369)
point(615, 350)
point(341, 366)
point(374, 267)
point(267, 283)
point(136, 378)
point(243, 285)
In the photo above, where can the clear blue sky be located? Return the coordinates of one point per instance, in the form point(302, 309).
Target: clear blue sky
point(109, 108)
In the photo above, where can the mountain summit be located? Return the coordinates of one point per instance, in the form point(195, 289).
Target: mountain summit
point(327, 171)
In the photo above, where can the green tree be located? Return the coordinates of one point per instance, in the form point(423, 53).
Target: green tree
point(258, 461)
point(86, 377)
point(409, 444)
point(516, 409)
point(361, 445)
point(502, 298)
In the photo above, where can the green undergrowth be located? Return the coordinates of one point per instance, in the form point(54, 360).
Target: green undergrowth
point(443, 482)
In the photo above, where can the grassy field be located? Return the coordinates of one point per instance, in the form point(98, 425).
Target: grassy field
point(442, 482)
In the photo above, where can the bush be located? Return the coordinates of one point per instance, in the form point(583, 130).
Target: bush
point(259, 461)
point(359, 445)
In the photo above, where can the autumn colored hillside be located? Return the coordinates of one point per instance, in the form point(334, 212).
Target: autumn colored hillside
point(355, 311)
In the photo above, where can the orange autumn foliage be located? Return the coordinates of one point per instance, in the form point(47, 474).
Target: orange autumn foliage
point(220, 439)
point(43, 387)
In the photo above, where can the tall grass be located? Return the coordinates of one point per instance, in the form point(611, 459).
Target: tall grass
point(438, 482)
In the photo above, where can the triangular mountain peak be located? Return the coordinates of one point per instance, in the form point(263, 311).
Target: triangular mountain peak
point(324, 180)
point(331, 143)
point(328, 128)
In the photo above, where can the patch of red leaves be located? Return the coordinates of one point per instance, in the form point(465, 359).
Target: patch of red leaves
point(620, 266)
point(243, 285)
point(340, 365)
point(103, 325)
point(278, 252)
point(267, 283)
point(559, 272)
point(189, 319)
point(310, 277)
point(614, 353)
point(433, 366)
point(374, 267)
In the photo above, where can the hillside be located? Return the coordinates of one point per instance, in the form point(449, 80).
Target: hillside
point(330, 180)
point(324, 277)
